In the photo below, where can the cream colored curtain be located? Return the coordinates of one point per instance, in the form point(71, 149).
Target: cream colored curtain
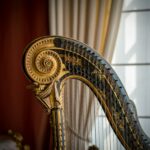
point(94, 22)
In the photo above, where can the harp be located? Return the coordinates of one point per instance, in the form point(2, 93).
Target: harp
point(49, 62)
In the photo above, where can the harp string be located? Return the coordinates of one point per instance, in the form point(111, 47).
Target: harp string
point(94, 121)
point(87, 133)
point(107, 142)
point(85, 112)
point(73, 106)
point(110, 131)
point(114, 103)
point(97, 109)
point(105, 125)
point(86, 130)
point(76, 110)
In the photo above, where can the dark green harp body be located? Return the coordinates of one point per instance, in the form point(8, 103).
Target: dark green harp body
point(58, 66)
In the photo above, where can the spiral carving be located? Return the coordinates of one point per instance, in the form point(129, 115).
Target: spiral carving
point(43, 66)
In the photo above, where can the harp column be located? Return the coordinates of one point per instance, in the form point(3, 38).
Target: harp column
point(44, 67)
point(57, 120)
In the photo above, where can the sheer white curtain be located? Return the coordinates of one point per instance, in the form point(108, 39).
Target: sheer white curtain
point(94, 22)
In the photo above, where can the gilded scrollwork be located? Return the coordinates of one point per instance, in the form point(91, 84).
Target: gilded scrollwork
point(43, 66)
point(119, 120)
point(97, 73)
point(74, 60)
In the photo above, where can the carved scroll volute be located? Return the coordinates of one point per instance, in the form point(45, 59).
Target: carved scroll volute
point(44, 67)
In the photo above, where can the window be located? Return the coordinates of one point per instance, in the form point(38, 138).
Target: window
point(131, 59)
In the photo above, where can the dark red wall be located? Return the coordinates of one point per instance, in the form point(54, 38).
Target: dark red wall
point(21, 22)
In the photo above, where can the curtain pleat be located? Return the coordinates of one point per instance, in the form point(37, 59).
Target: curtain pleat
point(113, 27)
point(95, 23)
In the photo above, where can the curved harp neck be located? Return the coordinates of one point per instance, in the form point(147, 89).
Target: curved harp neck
point(49, 61)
